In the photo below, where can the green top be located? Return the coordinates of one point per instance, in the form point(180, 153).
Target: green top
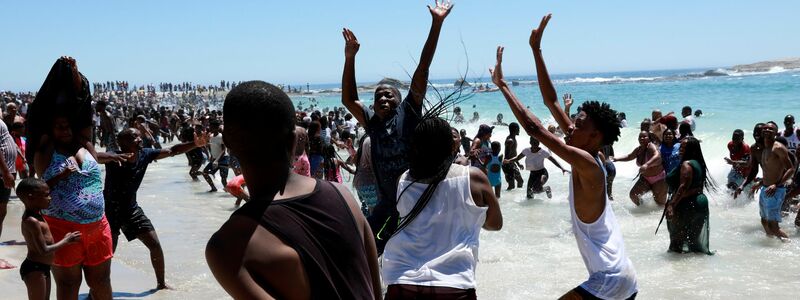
point(674, 177)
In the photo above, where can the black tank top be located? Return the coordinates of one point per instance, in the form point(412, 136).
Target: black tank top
point(321, 228)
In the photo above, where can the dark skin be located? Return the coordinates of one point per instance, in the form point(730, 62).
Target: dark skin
point(68, 279)
point(582, 138)
point(755, 160)
point(39, 240)
point(249, 261)
point(387, 98)
point(133, 144)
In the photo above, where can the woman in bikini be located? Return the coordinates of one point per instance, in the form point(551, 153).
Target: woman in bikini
point(651, 171)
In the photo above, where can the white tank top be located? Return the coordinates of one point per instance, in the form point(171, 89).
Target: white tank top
point(792, 140)
point(439, 247)
point(611, 273)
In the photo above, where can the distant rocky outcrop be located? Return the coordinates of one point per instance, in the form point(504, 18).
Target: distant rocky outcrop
point(393, 82)
point(765, 66)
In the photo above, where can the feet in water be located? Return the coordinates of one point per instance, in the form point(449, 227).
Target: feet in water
point(549, 192)
point(163, 286)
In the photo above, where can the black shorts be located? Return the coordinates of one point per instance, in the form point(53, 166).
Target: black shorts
point(132, 222)
point(5, 194)
point(407, 291)
point(28, 266)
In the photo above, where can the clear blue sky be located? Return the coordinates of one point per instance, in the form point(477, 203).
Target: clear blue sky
point(299, 41)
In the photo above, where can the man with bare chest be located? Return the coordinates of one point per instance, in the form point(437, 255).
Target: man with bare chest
point(777, 168)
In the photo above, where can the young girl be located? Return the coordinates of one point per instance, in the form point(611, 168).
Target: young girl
point(332, 164)
point(493, 168)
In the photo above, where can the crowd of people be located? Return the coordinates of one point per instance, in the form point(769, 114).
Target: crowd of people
point(425, 188)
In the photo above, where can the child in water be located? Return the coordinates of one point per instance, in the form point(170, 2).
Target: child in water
point(332, 165)
point(493, 168)
point(35, 270)
point(534, 162)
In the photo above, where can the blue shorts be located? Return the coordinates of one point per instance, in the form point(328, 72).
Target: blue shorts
point(770, 207)
point(735, 177)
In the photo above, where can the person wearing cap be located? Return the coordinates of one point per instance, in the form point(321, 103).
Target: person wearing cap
point(480, 153)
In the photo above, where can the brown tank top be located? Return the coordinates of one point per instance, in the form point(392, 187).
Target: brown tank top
point(323, 231)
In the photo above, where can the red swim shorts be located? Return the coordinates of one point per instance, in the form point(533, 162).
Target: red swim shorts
point(94, 248)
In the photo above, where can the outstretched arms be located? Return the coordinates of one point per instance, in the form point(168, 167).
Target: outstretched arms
point(349, 89)
point(543, 77)
point(419, 82)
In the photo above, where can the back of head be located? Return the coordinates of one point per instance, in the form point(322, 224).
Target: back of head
point(259, 123)
point(431, 149)
point(693, 151)
point(604, 119)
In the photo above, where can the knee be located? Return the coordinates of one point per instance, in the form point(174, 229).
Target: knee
point(99, 282)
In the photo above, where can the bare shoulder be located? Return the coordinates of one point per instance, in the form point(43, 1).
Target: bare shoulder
point(358, 217)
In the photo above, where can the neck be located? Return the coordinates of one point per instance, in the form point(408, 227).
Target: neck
point(263, 185)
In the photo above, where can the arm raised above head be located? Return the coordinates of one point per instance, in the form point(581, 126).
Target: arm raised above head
point(419, 82)
point(533, 126)
point(549, 94)
point(349, 88)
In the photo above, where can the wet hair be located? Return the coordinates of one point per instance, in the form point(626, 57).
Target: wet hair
point(687, 108)
point(27, 186)
point(693, 151)
point(253, 108)
point(604, 119)
point(739, 133)
point(431, 149)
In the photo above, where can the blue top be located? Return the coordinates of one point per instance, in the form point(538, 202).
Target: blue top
point(79, 197)
point(493, 170)
point(670, 157)
point(122, 181)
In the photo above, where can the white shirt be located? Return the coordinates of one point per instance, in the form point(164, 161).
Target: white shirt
point(350, 126)
point(535, 161)
point(792, 140)
point(611, 273)
point(690, 119)
point(440, 246)
point(215, 143)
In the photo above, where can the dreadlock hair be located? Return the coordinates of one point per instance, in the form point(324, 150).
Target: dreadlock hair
point(604, 119)
point(694, 152)
point(431, 149)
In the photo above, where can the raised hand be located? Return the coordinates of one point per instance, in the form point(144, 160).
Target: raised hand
point(440, 10)
point(351, 44)
point(497, 72)
point(536, 35)
point(568, 100)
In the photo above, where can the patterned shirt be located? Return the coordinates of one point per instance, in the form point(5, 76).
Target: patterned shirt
point(79, 197)
point(8, 148)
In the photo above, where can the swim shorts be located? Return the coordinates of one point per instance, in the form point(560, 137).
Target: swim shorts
point(132, 222)
point(770, 207)
point(735, 177)
point(28, 266)
point(94, 247)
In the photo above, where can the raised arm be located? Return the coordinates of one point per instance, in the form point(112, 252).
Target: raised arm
point(199, 141)
point(533, 126)
point(628, 157)
point(567, 103)
point(543, 77)
point(349, 89)
point(419, 82)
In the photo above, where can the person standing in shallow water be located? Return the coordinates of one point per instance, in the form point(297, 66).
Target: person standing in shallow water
point(687, 211)
point(599, 238)
point(651, 170)
point(297, 237)
point(511, 170)
point(390, 125)
point(777, 167)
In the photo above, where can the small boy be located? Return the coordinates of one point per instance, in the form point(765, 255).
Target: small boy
point(35, 270)
point(534, 162)
point(511, 171)
point(493, 168)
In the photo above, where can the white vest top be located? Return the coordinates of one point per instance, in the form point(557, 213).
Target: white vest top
point(611, 273)
point(439, 247)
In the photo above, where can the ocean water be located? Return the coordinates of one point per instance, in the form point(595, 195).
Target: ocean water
point(534, 256)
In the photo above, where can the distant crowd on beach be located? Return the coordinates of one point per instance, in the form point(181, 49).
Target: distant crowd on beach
point(425, 188)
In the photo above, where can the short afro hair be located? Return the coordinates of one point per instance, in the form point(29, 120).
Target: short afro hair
point(254, 108)
point(27, 186)
point(604, 119)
